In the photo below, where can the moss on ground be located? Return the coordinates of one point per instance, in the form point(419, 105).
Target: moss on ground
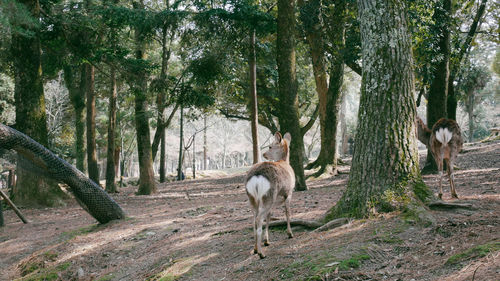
point(477, 251)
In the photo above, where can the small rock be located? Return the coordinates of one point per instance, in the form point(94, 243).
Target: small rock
point(81, 273)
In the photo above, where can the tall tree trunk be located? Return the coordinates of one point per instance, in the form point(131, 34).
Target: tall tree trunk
point(161, 98)
point(254, 118)
point(287, 88)
point(329, 93)
point(384, 172)
point(181, 145)
point(77, 97)
point(310, 15)
point(469, 106)
point(438, 91)
point(110, 159)
point(91, 133)
point(205, 147)
point(455, 67)
point(146, 175)
point(31, 118)
point(163, 170)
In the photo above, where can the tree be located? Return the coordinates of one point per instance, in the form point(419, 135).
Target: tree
point(78, 102)
point(329, 92)
point(287, 88)
point(139, 88)
point(30, 107)
point(384, 174)
point(438, 91)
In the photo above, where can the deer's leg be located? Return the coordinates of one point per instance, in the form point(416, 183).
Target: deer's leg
point(287, 212)
point(258, 225)
point(255, 248)
point(266, 233)
point(449, 163)
point(439, 161)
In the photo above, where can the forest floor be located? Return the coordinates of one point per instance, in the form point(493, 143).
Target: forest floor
point(201, 230)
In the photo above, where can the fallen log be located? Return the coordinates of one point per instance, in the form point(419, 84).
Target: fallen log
point(90, 195)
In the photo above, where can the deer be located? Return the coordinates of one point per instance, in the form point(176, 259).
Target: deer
point(445, 142)
point(270, 183)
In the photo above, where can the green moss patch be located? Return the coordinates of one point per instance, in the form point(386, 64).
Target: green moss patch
point(477, 251)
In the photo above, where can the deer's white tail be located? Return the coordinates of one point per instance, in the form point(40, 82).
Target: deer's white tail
point(258, 186)
point(443, 135)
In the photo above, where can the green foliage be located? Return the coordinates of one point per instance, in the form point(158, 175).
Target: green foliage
point(477, 251)
point(47, 274)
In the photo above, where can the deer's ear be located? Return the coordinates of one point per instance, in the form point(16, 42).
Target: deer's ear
point(288, 137)
point(277, 137)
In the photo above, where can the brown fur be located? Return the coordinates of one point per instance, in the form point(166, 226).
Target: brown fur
point(282, 181)
point(447, 152)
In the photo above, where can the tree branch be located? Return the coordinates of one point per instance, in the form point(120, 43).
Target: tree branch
point(309, 124)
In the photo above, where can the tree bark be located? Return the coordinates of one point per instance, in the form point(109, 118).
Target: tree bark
point(146, 175)
point(287, 88)
point(31, 118)
point(91, 132)
point(88, 194)
point(77, 98)
point(254, 112)
point(110, 159)
point(384, 174)
point(438, 91)
point(181, 145)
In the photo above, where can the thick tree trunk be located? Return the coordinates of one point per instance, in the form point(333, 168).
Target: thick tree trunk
point(384, 174)
point(90, 195)
point(146, 175)
point(77, 98)
point(31, 119)
point(287, 88)
point(91, 130)
point(254, 112)
point(110, 158)
point(438, 91)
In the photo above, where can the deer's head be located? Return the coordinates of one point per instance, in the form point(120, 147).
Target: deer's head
point(280, 148)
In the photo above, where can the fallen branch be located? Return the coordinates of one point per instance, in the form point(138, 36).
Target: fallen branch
point(447, 205)
point(16, 210)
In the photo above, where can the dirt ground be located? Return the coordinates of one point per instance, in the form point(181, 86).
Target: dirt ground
point(201, 230)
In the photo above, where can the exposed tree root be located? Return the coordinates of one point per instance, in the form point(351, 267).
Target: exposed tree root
point(316, 225)
point(448, 205)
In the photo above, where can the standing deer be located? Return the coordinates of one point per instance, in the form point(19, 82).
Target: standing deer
point(445, 142)
point(265, 182)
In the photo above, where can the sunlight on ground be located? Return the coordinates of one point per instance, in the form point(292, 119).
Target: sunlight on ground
point(182, 266)
point(187, 242)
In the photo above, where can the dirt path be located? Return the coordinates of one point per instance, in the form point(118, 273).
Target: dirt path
point(200, 230)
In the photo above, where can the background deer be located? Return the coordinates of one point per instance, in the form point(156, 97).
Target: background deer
point(445, 142)
point(268, 181)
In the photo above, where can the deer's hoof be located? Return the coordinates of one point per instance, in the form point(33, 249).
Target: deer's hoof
point(255, 251)
point(440, 195)
point(266, 243)
point(262, 256)
point(454, 196)
point(290, 235)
